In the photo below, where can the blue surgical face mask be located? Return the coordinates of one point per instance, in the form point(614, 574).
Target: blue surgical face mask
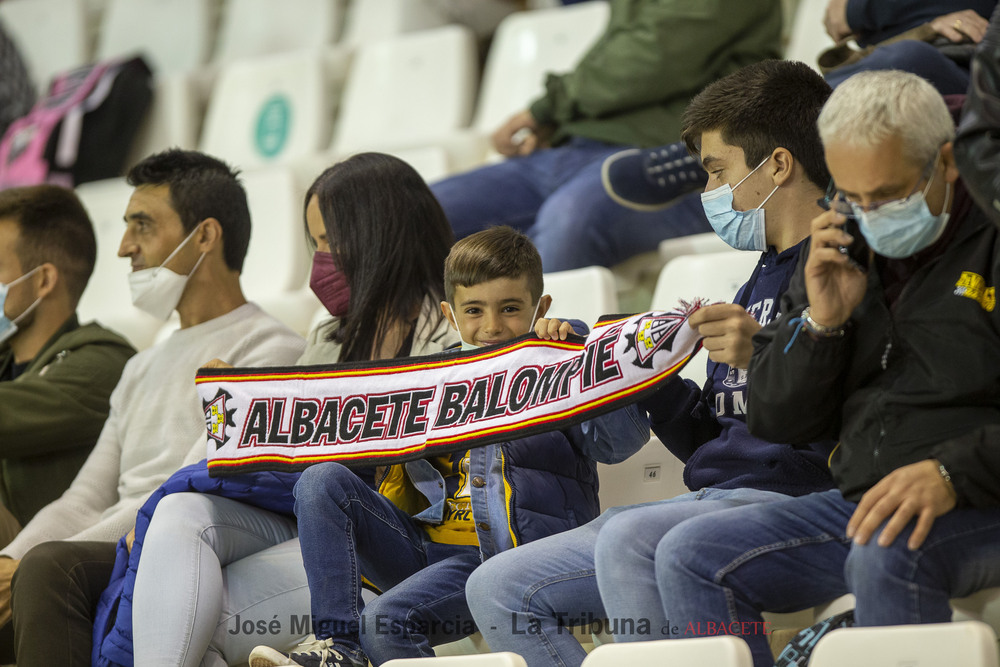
point(903, 227)
point(743, 230)
point(8, 327)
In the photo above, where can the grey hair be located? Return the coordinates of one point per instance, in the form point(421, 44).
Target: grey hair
point(870, 107)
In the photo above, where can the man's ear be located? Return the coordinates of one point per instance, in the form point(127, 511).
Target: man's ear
point(209, 235)
point(46, 280)
point(449, 315)
point(948, 160)
point(784, 166)
point(544, 303)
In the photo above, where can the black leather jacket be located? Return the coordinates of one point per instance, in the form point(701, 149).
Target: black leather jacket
point(977, 145)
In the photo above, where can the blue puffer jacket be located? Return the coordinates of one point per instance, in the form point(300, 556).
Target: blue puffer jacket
point(113, 620)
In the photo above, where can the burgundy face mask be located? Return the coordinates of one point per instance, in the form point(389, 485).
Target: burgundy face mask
point(329, 284)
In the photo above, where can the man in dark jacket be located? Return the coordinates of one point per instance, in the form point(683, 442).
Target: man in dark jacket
point(56, 376)
point(901, 362)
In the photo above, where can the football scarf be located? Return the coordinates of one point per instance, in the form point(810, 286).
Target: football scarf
point(392, 411)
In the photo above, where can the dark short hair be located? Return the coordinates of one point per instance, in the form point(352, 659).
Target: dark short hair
point(201, 187)
point(388, 234)
point(761, 107)
point(54, 227)
point(497, 252)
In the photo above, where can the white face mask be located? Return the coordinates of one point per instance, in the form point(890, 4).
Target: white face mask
point(9, 327)
point(157, 290)
point(469, 346)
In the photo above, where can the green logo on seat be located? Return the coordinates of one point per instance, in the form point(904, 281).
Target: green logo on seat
point(273, 125)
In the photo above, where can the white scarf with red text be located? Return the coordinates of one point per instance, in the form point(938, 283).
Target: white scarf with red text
point(392, 411)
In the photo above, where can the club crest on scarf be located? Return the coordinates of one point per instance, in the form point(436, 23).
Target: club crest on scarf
point(654, 333)
point(217, 417)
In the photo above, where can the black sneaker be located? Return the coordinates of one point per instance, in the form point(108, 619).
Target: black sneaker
point(319, 653)
point(651, 179)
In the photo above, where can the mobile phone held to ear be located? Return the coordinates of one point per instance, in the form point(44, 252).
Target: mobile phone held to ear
point(857, 252)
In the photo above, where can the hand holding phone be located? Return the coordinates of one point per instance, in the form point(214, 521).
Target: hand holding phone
point(857, 251)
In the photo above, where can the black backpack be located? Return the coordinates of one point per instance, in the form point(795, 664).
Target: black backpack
point(81, 129)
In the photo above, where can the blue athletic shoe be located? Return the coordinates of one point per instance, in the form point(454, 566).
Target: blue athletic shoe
point(651, 179)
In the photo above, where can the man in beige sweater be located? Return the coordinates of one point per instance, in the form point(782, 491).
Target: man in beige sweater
point(186, 234)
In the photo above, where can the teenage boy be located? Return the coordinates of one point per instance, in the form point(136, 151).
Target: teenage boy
point(433, 521)
point(901, 363)
point(755, 132)
point(187, 227)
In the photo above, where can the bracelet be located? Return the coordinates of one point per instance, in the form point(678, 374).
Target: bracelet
point(818, 329)
point(944, 473)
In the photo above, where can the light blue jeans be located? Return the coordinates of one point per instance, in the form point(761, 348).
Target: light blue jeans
point(217, 577)
point(525, 600)
point(723, 571)
point(556, 197)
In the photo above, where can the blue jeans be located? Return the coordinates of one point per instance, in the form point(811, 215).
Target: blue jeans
point(525, 600)
point(555, 196)
point(347, 530)
point(910, 55)
point(723, 571)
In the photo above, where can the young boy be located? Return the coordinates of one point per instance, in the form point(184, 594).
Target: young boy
point(435, 520)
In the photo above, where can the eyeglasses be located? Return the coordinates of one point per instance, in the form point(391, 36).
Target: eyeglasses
point(836, 200)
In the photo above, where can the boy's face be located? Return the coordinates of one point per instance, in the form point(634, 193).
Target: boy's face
point(493, 312)
point(726, 163)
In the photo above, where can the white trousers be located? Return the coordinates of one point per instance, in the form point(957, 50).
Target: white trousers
point(217, 577)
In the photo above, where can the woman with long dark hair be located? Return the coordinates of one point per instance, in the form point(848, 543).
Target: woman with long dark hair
point(215, 570)
point(387, 239)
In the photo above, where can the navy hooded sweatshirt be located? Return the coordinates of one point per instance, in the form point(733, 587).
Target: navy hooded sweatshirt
point(706, 428)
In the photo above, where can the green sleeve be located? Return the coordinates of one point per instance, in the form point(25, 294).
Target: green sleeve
point(61, 405)
point(657, 50)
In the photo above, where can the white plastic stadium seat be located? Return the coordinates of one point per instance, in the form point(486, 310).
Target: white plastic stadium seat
point(711, 276)
point(268, 111)
point(251, 28)
point(526, 46)
point(693, 244)
point(278, 258)
point(967, 643)
point(431, 162)
point(174, 36)
point(107, 297)
point(51, 35)
point(407, 91)
point(370, 20)
point(722, 651)
point(651, 474)
point(276, 270)
point(583, 294)
point(483, 660)
point(981, 606)
point(173, 118)
point(808, 37)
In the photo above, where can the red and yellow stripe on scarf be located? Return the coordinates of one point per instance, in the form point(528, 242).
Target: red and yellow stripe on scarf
point(397, 410)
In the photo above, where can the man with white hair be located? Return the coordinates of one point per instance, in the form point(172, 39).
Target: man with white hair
point(895, 351)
